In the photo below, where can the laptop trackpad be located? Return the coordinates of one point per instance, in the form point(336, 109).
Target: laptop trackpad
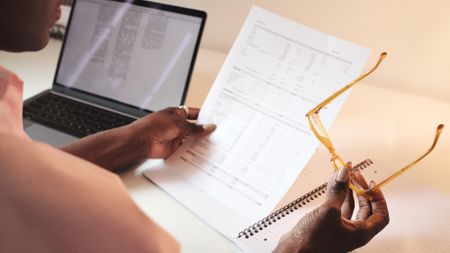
point(44, 134)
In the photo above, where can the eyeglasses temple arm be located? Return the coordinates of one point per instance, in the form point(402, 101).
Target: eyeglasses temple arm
point(407, 167)
point(348, 86)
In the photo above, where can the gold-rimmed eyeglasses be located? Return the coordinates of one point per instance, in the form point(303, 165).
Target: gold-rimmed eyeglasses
point(337, 162)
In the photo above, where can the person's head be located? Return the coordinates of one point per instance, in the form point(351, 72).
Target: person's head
point(24, 24)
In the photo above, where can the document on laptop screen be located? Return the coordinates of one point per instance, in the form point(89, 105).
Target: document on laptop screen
point(276, 71)
point(133, 54)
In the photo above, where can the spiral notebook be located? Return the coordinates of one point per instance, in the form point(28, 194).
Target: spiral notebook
point(425, 229)
point(264, 235)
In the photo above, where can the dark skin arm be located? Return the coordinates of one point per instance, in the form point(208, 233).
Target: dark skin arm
point(330, 229)
point(157, 135)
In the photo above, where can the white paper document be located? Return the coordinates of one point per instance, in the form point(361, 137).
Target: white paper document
point(276, 71)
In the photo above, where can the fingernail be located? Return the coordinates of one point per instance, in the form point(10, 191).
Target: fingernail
point(209, 127)
point(372, 184)
point(342, 175)
point(349, 165)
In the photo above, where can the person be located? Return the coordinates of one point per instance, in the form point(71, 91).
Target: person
point(63, 200)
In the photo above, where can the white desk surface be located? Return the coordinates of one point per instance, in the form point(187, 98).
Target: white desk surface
point(390, 126)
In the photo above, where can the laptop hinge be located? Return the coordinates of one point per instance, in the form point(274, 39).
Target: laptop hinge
point(92, 104)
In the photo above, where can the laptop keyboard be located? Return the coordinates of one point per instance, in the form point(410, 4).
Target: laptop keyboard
point(71, 116)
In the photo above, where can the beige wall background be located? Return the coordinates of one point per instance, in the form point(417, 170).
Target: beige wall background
point(415, 33)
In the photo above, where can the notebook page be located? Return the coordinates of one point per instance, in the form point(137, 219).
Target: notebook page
point(419, 220)
point(267, 239)
point(276, 71)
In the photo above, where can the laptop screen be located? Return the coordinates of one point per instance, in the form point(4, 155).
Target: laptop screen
point(134, 52)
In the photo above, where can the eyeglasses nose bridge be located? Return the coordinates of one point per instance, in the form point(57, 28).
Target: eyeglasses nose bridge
point(336, 161)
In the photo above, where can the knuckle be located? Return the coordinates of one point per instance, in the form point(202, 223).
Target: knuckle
point(364, 204)
point(317, 213)
point(350, 203)
point(175, 111)
point(338, 188)
point(329, 213)
point(169, 109)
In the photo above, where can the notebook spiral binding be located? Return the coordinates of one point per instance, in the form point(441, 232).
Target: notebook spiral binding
point(294, 205)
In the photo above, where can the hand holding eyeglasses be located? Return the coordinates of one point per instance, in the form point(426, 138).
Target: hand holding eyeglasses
point(330, 229)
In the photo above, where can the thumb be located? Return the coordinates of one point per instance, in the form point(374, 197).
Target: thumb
point(338, 188)
point(200, 129)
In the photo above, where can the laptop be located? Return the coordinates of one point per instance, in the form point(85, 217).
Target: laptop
point(120, 60)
